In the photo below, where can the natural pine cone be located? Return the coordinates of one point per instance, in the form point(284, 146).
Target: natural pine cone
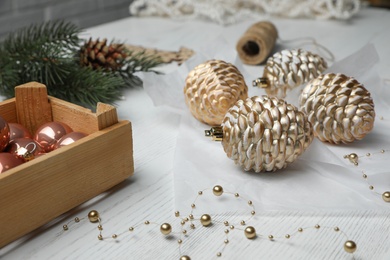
point(289, 69)
point(212, 88)
point(340, 109)
point(265, 134)
point(98, 55)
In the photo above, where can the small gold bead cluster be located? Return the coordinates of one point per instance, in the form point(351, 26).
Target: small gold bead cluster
point(354, 158)
point(189, 223)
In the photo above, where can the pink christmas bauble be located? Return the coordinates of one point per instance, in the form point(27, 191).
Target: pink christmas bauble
point(69, 138)
point(48, 134)
point(25, 148)
point(8, 161)
point(4, 134)
point(18, 131)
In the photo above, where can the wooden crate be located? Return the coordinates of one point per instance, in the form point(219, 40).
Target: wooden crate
point(38, 191)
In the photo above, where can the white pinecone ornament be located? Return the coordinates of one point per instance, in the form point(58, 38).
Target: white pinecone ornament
point(212, 88)
point(340, 109)
point(289, 69)
point(263, 133)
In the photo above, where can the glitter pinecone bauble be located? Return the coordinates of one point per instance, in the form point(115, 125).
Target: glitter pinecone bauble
point(212, 88)
point(340, 109)
point(98, 55)
point(289, 69)
point(265, 133)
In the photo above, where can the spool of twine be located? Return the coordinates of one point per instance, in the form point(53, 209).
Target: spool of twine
point(257, 43)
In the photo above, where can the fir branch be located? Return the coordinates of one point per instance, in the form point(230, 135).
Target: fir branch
point(50, 53)
point(88, 87)
point(137, 62)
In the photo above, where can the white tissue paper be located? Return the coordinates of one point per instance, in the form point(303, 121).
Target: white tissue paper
point(321, 179)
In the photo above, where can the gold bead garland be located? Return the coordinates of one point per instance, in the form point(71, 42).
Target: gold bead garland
point(354, 158)
point(206, 220)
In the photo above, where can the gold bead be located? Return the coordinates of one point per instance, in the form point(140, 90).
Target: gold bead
point(371, 187)
point(177, 213)
point(350, 246)
point(271, 237)
point(186, 219)
point(226, 241)
point(93, 216)
point(250, 232)
point(192, 205)
point(231, 227)
point(382, 151)
point(300, 229)
point(364, 176)
point(219, 254)
point(226, 223)
point(250, 202)
point(192, 226)
point(353, 158)
point(287, 236)
point(165, 229)
point(179, 241)
point(200, 192)
point(114, 236)
point(236, 195)
point(242, 222)
point(227, 231)
point(100, 237)
point(368, 154)
point(191, 216)
point(184, 231)
point(317, 226)
point(336, 229)
point(182, 222)
point(185, 257)
point(131, 229)
point(217, 190)
point(65, 227)
point(386, 196)
point(253, 212)
point(147, 222)
point(76, 219)
point(100, 227)
point(205, 220)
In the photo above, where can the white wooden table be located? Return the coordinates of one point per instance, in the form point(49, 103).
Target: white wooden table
point(149, 194)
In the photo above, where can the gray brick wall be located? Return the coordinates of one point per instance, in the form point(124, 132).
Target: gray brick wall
point(15, 14)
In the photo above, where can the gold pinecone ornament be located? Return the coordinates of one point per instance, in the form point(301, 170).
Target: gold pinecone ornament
point(212, 88)
point(100, 55)
point(264, 133)
point(289, 69)
point(340, 109)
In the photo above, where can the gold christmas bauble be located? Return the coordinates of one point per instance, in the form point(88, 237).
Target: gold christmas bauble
point(340, 109)
point(265, 134)
point(212, 88)
point(289, 69)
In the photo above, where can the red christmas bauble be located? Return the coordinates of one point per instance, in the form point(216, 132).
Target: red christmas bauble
point(4, 134)
point(8, 161)
point(18, 131)
point(48, 134)
point(69, 138)
point(25, 148)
